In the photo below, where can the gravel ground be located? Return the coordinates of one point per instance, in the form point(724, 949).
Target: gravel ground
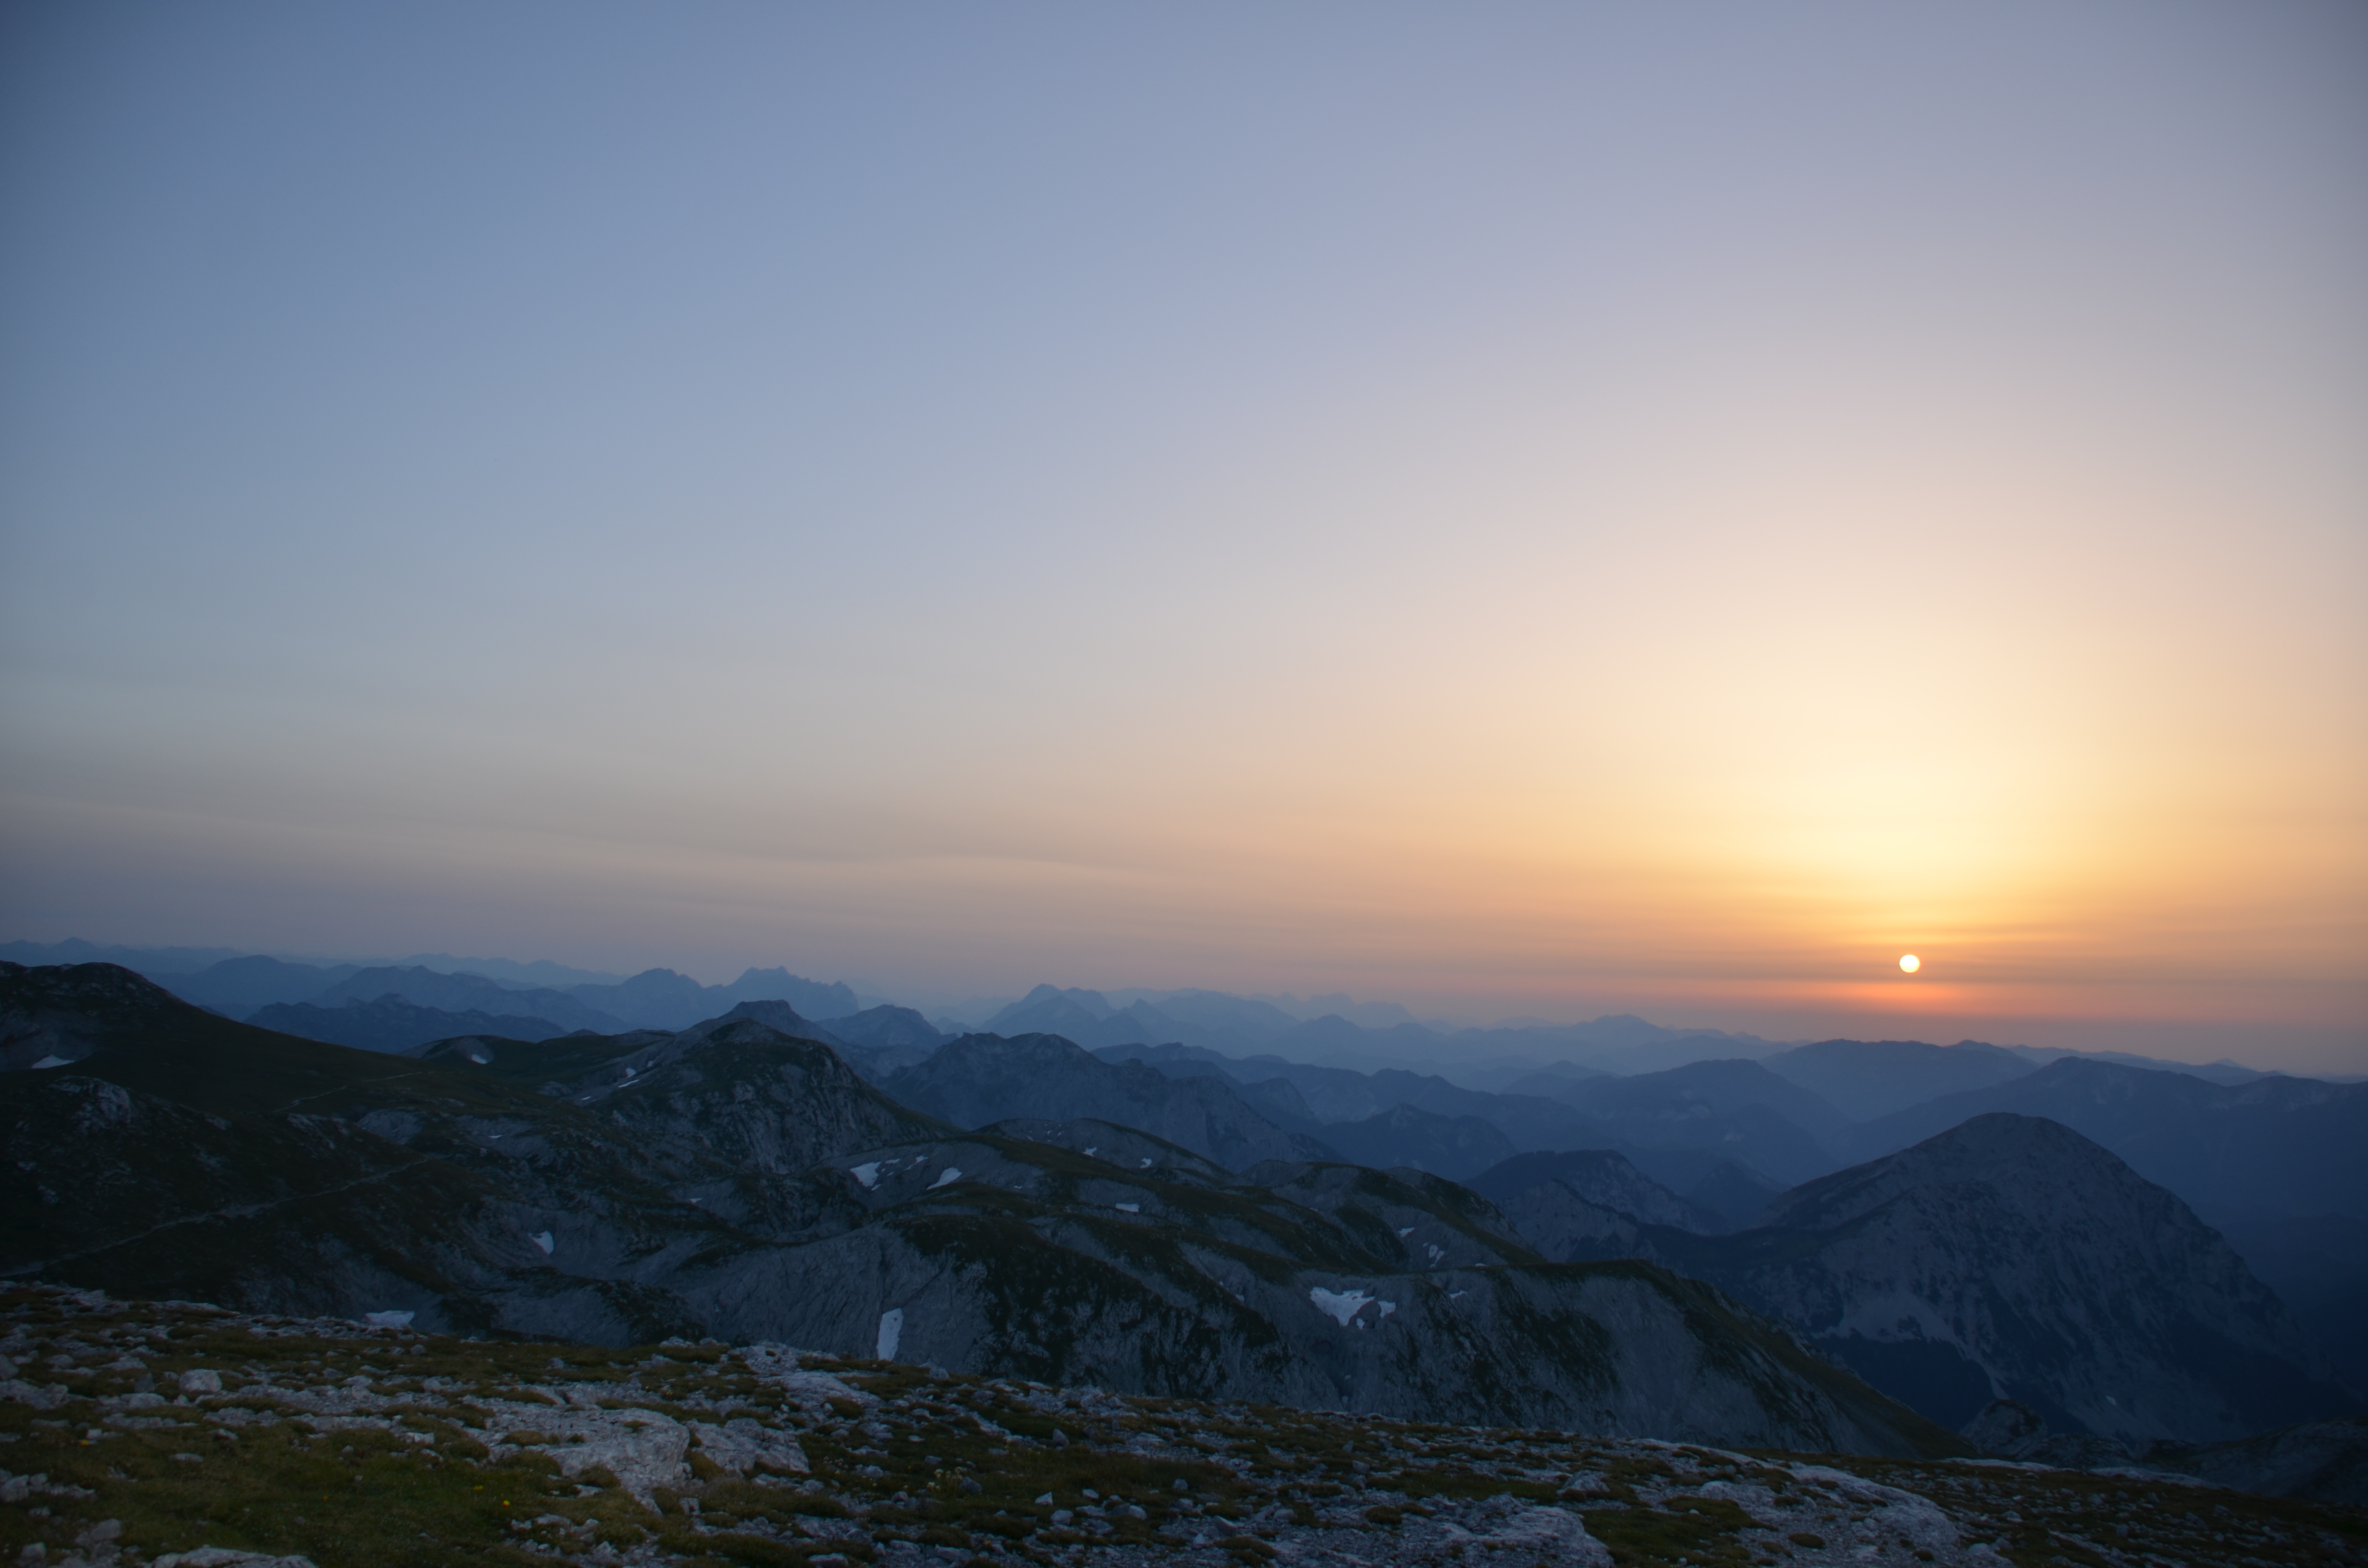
point(180, 1435)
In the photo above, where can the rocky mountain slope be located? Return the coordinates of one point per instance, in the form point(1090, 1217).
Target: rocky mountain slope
point(741, 1183)
point(190, 1438)
point(982, 1079)
point(2090, 1292)
point(1690, 1120)
point(2279, 1165)
point(2009, 1257)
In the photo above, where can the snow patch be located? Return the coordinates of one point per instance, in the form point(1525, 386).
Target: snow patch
point(1404, 1234)
point(543, 1239)
point(1388, 1307)
point(1146, 1165)
point(892, 1331)
point(51, 1061)
point(1130, 1207)
point(950, 1175)
point(866, 1173)
point(1343, 1305)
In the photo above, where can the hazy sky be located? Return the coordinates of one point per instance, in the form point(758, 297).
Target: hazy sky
point(1536, 509)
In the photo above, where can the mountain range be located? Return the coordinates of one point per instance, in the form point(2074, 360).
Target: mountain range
point(736, 1180)
point(656, 998)
point(1725, 1121)
point(2273, 1163)
point(2278, 1165)
point(1023, 1205)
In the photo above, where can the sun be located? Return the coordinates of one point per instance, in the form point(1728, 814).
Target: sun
point(1909, 963)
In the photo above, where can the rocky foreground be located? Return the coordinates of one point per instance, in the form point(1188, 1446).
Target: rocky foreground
point(181, 1436)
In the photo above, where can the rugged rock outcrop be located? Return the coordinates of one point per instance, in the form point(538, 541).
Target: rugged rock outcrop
point(2010, 1257)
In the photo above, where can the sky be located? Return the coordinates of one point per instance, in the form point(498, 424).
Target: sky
point(1515, 509)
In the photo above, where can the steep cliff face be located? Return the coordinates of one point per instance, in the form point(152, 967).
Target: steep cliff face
point(2010, 1257)
point(620, 1189)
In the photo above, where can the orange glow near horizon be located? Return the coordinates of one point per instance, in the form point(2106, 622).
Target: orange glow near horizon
point(1546, 511)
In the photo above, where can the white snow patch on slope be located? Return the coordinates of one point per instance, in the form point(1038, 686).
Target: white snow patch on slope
point(1343, 1305)
point(950, 1175)
point(866, 1173)
point(891, 1330)
point(544, 1240)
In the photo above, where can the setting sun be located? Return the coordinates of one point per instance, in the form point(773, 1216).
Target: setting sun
point(1909, 963)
